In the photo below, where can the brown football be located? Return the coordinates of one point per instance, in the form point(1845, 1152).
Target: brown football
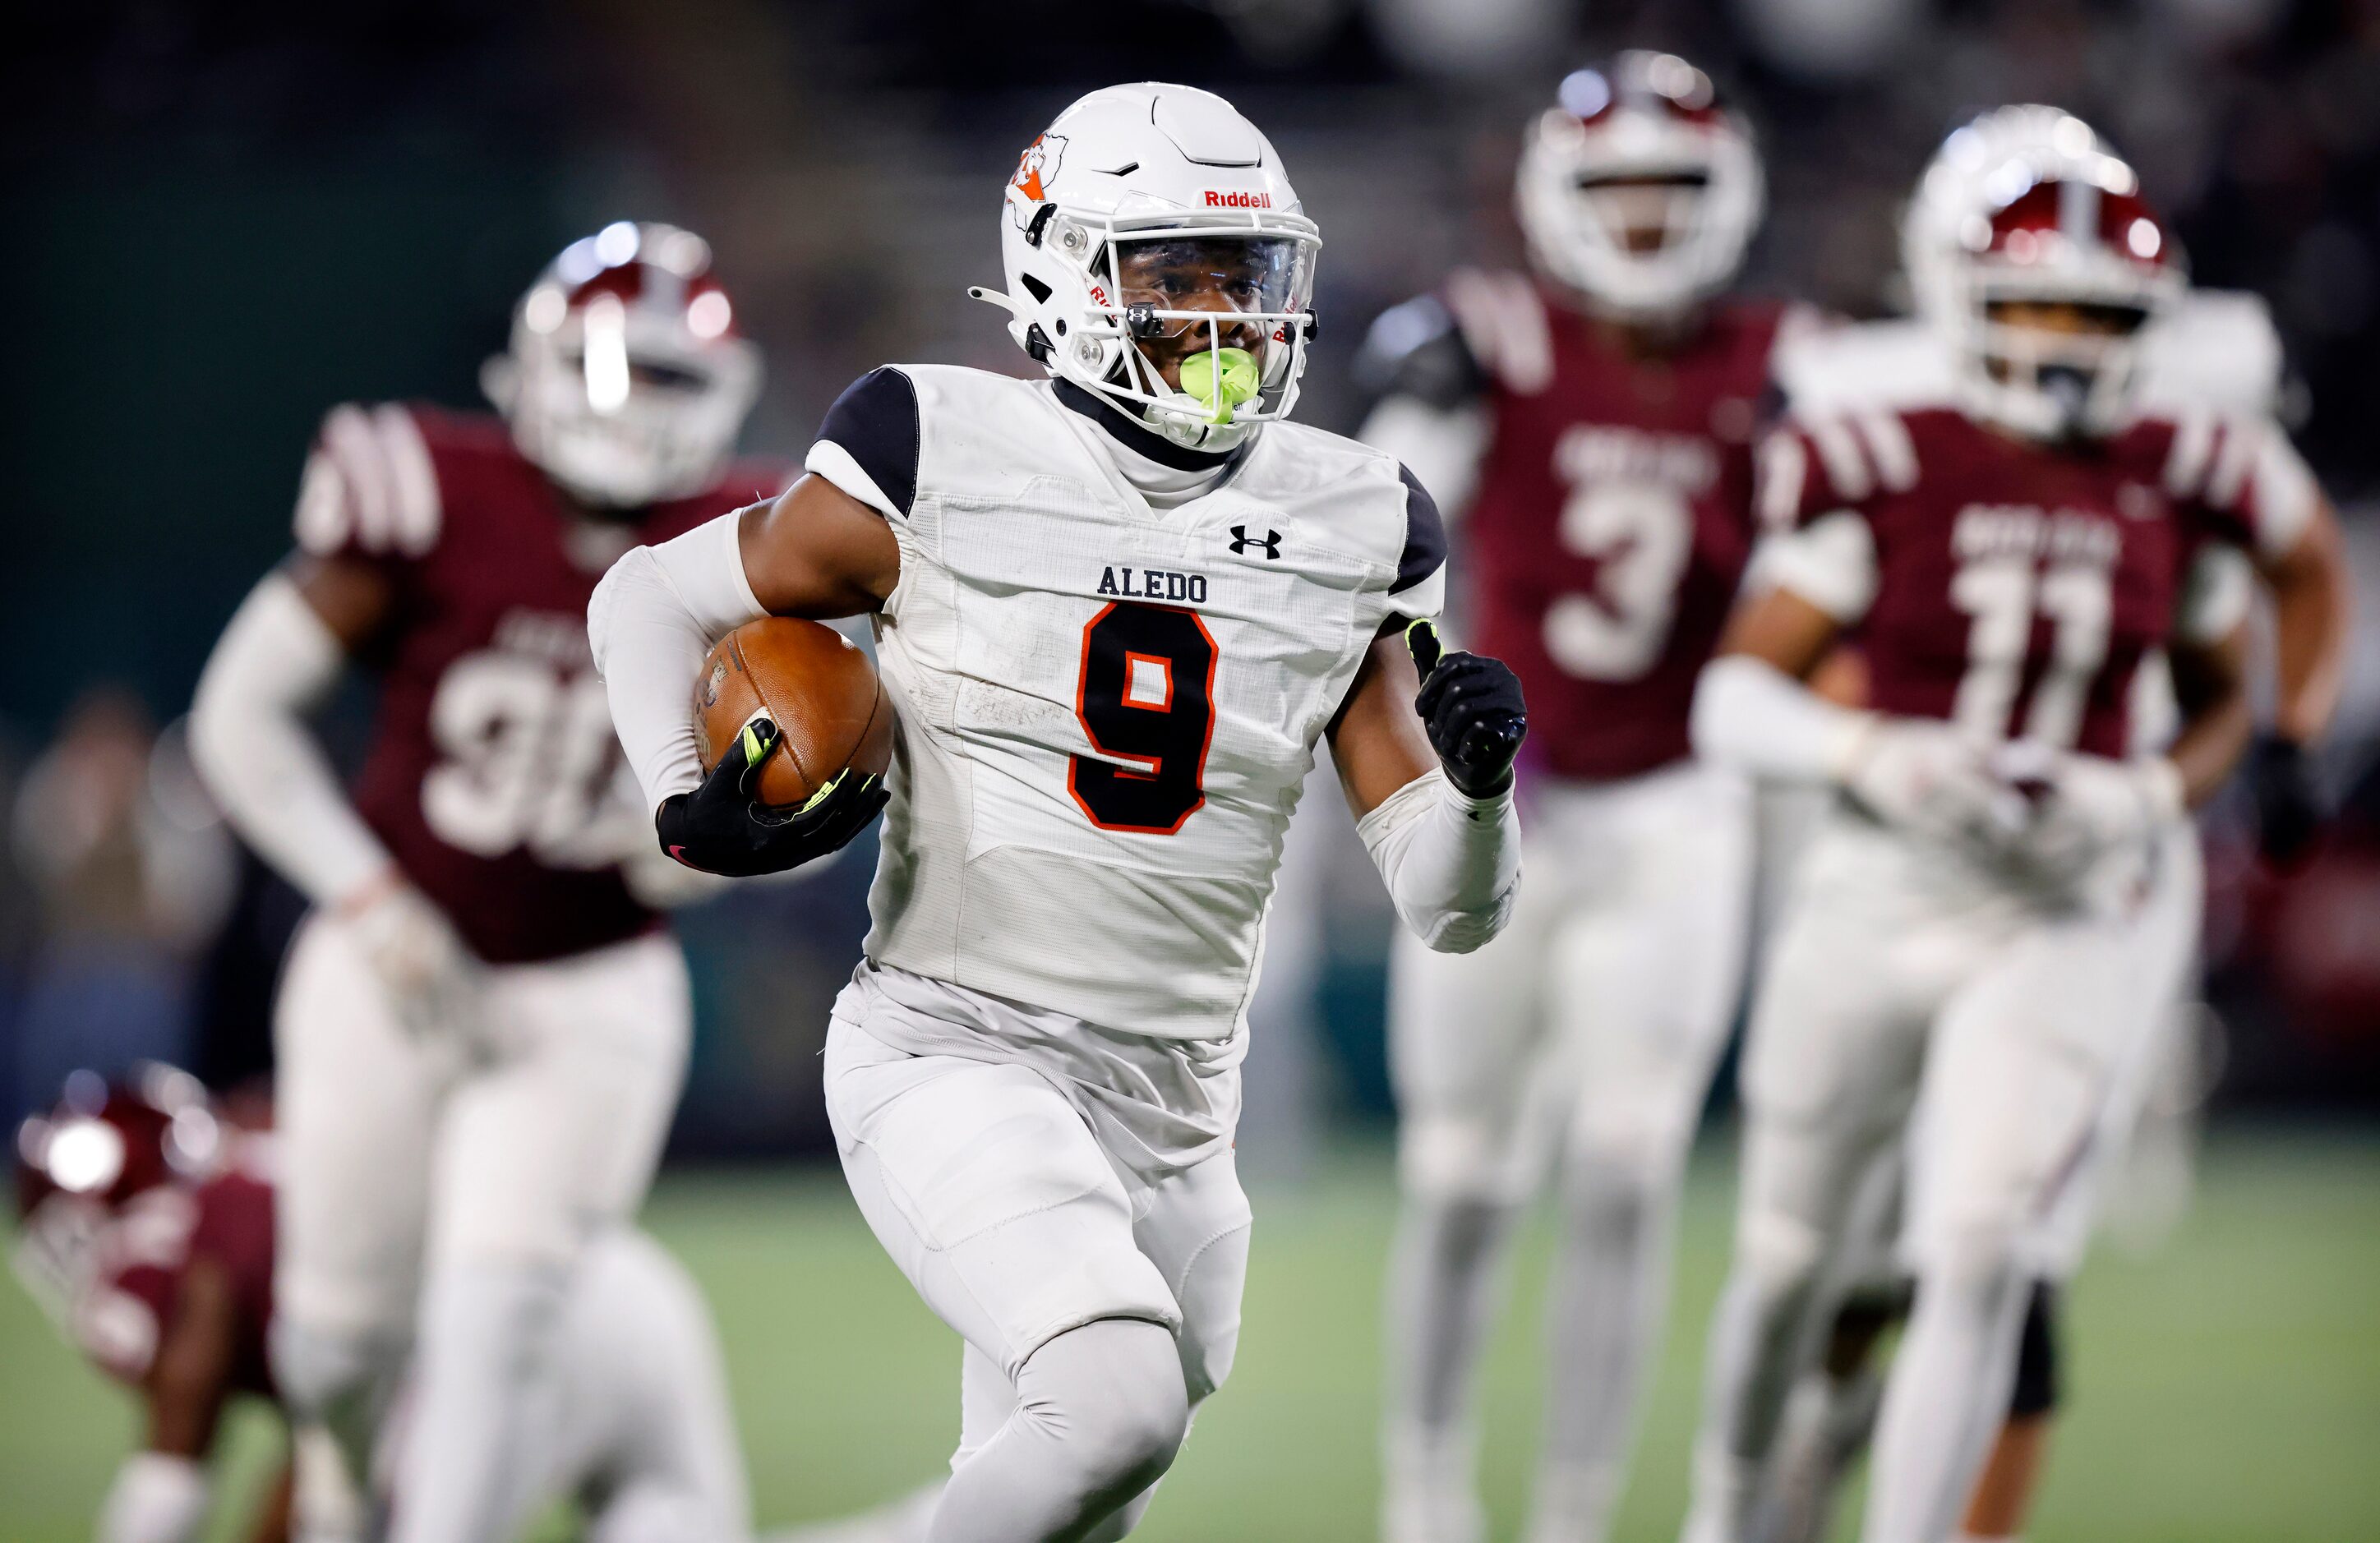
point(818, 688)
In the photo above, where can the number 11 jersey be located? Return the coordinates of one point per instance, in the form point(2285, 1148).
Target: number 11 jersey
point(1107, 709)
point(2010, 588)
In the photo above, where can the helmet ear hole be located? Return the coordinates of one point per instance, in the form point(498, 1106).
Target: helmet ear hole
point(1034, 287)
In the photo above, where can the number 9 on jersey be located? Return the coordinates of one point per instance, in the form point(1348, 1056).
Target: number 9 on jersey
point(1145, 700)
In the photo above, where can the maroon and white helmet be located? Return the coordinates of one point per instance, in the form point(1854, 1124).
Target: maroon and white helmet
point(626, 381)
point(2029, 204)
point(93, 1157)
point(1644, 144)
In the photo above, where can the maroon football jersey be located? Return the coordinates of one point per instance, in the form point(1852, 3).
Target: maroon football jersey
point(2014, 588)
point(1613, 517)
point(146, 1253)
point(493, 776)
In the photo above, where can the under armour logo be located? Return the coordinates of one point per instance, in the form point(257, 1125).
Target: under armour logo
point(1269, 541)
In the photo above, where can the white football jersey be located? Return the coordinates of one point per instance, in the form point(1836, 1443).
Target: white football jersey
point(1107, 708)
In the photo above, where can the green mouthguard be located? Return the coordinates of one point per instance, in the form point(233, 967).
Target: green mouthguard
point(1221, 379)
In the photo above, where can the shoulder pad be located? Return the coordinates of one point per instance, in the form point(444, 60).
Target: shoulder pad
point(1867, 366)
point(869, 444)
point(2218, 349)
point(371, 487)
point(1415, 349)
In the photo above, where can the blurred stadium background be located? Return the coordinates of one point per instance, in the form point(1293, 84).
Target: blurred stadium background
point(227, 217)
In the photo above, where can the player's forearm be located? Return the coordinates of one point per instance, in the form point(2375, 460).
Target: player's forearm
point(1451, 864)
point(157, 1498)
point(1751, 715)
point(2217, 720)
point(276, 663)
point(2311, 612)
point(649, 622)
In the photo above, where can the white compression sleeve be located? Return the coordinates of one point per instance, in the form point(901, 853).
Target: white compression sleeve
point(1451, 864)
point(276, 663)
point(1751, 715)
point(649, 622)
point(157, 1498)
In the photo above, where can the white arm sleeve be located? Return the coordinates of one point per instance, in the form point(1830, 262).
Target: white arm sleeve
point(1751, 715)
point(1830, 563)
point(156, 1497)
point(649, 622)
point(276, 663)
point(1451, 864)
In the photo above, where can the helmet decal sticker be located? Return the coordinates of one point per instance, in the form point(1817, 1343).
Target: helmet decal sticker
point(1039, 164)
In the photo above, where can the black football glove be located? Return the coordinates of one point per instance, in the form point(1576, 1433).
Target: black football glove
point(722, 827)
point(2290, 809)
point(1471, 707)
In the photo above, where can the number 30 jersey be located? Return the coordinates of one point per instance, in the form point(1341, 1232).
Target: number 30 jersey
point(1614, 514)
point(494, 775)
point(1107, 708)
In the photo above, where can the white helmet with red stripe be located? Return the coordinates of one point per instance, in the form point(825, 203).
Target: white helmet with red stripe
point(1133, 184)
point(2028, 206)
point(626, 381)
point(1640, 189)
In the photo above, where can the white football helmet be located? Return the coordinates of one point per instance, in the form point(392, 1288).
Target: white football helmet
point(2029, 204)
point(1123, 179)
point(627, 382)
point(1643, 145)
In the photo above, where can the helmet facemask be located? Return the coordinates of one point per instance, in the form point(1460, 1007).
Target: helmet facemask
point(2067, 380)
point(1197, 328)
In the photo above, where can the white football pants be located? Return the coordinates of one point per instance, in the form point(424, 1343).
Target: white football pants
point(1894, 979)
point(407, 1160)
point(996, 1199)
point(1583, 1036)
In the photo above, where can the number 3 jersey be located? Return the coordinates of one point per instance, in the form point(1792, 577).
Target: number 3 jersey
point(1107, 709)
point(1614, 514)
point(493, 776)
point(2013, 587)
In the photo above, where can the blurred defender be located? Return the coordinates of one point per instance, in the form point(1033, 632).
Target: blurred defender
point(1597, 420)
point(1968, 921)
point(1118, 610)
point(2209, 352)
point(481, 1030)
point(147, 1231)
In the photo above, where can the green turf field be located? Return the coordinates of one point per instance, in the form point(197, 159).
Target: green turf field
point(2229, 1390)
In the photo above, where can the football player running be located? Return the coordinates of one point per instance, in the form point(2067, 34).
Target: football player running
point(146, 1229)
point(1117, 609)
point(1966, 924)
point(2209, 352)
point(1597, 417)
point(481, 1029)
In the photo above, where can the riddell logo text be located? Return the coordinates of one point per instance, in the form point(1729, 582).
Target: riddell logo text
point(1238, 201)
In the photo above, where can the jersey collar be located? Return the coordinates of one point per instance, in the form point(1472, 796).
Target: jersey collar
point(1130, 434)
